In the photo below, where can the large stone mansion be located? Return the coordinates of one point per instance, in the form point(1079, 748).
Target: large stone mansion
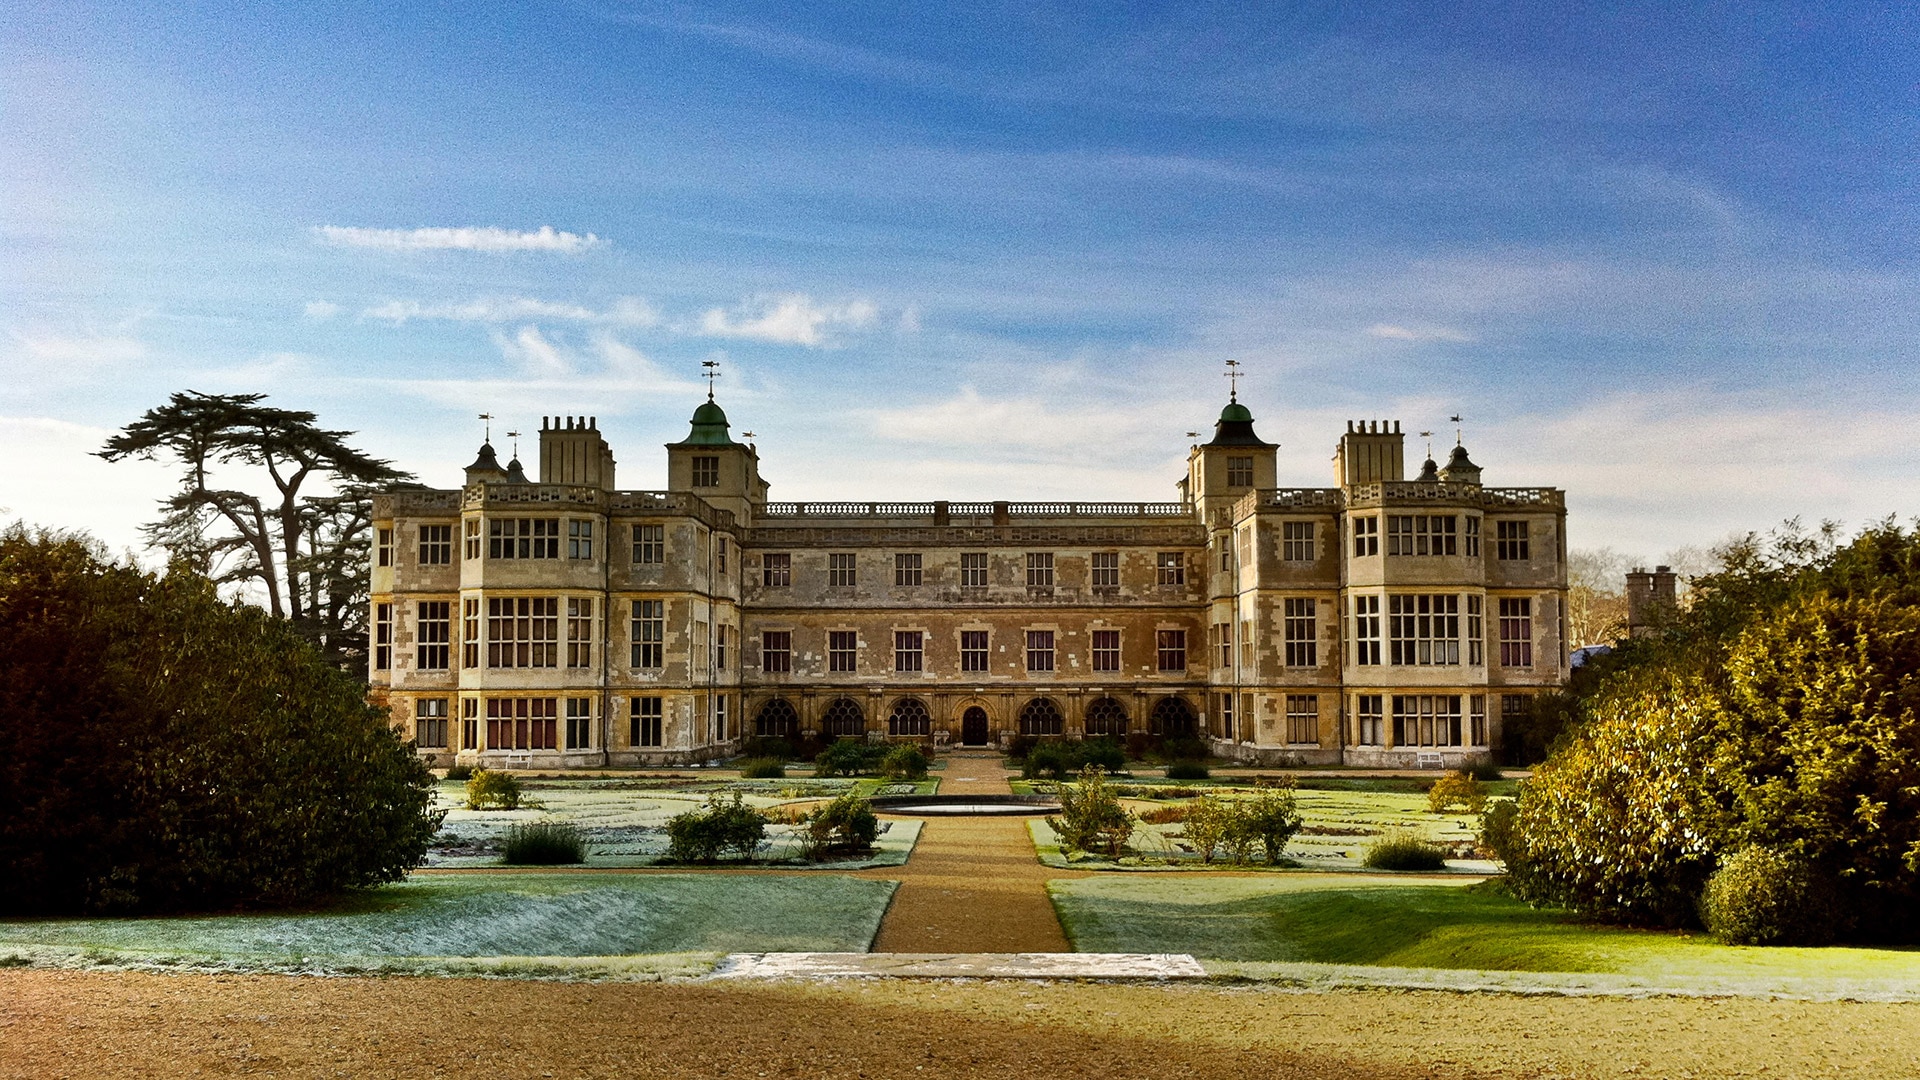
point(569, 623)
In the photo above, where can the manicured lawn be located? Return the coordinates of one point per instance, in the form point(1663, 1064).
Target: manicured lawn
point(408, 926)
point(1339, 919)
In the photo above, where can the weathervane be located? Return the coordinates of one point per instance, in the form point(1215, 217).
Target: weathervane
point(1459, 432)
point(488, 417)
point(1428, 435)
point(712, 373)
point(515, 436)
point(1233, 377)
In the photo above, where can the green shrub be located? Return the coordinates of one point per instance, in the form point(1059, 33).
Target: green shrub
point(1139, 744)
point(1456, 789)
point(1405, 851)
point(1187, 770)
point(1061, 758)
point(1485, 771)
point(1185, 749)
point(1048, 761)
point(1091, 817)
point(460, 773)
point(1019, 746)
point(489, 789)
point(721, 827)
point(162, 750)
point(763, 768)
point(545, 843)
point(845, 826)
point(1499, 833)
point(904, 762)
point(1208, 820)
point(851, 756)
point(1266, 821)
point(764, 746)
point(1104, 751)
point(1763, 896)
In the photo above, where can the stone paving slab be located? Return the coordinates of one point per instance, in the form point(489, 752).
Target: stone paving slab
point(815, 965)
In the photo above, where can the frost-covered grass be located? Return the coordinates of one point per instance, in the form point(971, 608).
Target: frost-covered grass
point(624, 818)
point(1430, 923)
point(489, 923)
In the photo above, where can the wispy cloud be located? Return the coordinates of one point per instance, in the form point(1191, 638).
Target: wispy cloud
point(788, 320)
point(321, 310)
point(469, 238)
point(1397, 332)
point(627, 311)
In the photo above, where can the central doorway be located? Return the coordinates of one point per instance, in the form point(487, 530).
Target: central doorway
point(973, 727)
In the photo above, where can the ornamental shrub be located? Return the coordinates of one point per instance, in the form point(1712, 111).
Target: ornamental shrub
point(1019, 746)
point(544, 843)
point(1187, 770)
point(1763, 896)
point(460, 773)
point(161, 750)
point(1405, 851)
point(1185, 749)
point(763, 768)
point(844, 827)
point(1456, 789)
point(767, 746)
point(1498, 835)
point(852, 756)
point(490, 789)
point(1208, 820)
point(1091, 817)
point(904, 762)
point(1266, 821)
point(721, 827)
point(1060, 758)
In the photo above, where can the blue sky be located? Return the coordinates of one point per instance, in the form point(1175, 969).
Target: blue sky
point(1661, 256)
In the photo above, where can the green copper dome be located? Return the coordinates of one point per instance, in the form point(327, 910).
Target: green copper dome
point(1236, 413)
point(1235, 427)
point(709, 427)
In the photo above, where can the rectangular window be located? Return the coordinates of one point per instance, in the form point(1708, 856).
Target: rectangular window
point(1172, 568)
point(579, 632)
point(843, 650)
point(706, 472)
point(909, 652)
point(385, 545)
point(523, 631)
point(840, 570)
point(1303, 718)
point(1239, 472)
point(523, 538)
point(1426, 720)
point(720, 554)
point(1370, 718)
point(522, 723)
point(776, 571)
point(1423, 629)
point(644, 716)
point(1366, 536)
point(720, 647)
point(579, 723)
point(470, 634)
point(1171, 649)
point(1421, 534)
point(1473, 537)
point(1106, 569)
point(776, 651)
point(469, 723)
point(579, 539)
point(1511, 543)
point(1296, 541)
point(1226, 715)
point(1106, 650)
point(973, 650)
point(1516, 632)
point(436, 545)
point(1366, 631)
point(1039, 650)
point(430, 723)
point(649, 544)
point(433, 629)
point(720, 717)
point(1039, 570)
point(973, 570)
point(649, 633)
point(1477, 719)
point(1300, 617)
point(1513, 711)
point(382, 636)
point(906, 570)
point(1226, 557)
point(1223, 641)
point(1476, 630)
point(472, 529)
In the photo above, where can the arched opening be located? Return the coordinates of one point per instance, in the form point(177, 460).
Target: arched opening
point(909, 717)
point(1041, 717)
point(973, 726)
point(1105, 716)
point(777, 720)
point(1173, 719)
point(843, 718)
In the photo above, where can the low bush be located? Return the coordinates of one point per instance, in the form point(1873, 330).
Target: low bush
point(721, 827)
point(1058, 759)
point(544, 843)
point(460, 773)
point(1267, 821)
point(765, 746)
point(1456, 789)
point(1405, 851)
point(1019, 746)
point(1187, 770)
point(1139, 745)
point(1499, 834)
point(1091, 817)
point(1763, 896)
point(1208, 820)
point(1184, 749)
point(763, 768)
point(1104, 751)
point(1165, 815)
point(846, 826)
point(488, 789)
point(904, 762)
point(1485, 771)
point(852, 756)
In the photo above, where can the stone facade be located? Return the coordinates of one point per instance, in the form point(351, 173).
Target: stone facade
point(567, 623)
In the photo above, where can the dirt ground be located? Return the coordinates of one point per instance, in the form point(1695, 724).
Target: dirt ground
point(85, 1025)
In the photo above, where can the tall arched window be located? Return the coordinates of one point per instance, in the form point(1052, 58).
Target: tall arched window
point(1173, 718)
point(1105, 716)
point(777, 720)
point(909, 717)
point(1041, 717)
point(843, 717)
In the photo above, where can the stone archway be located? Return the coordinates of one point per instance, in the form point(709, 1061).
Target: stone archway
point(1106, 716)
point(777, 719)
point(843, 718)
point(1173, 719)
point(1041, 716)
point(909, 717)
point(975, 726)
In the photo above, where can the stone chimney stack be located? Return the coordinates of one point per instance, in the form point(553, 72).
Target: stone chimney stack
point(572, 452)
point(1651, 596)
point(1371, 451)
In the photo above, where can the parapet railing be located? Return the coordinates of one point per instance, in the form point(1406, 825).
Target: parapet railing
point(1441, 491)
point(942, 510)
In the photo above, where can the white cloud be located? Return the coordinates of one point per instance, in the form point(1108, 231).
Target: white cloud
point(321, 310)
point(69, 488)
point(67, 350)
point(789, 320)
point(534, 354)
point(1395, 332)
point(468, 238)
point(627, 311)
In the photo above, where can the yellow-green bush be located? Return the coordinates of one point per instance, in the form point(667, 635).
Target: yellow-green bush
point(1456, 789)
